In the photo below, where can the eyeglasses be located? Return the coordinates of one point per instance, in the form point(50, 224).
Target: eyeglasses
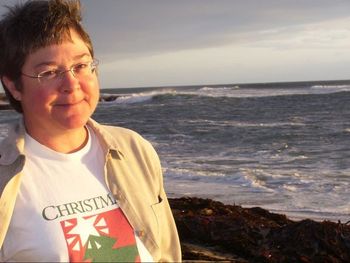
point(54, 77)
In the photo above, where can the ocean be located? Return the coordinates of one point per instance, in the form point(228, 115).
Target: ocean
point(281, 146)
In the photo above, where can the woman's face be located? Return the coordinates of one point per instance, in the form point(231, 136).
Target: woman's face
point(68, 103)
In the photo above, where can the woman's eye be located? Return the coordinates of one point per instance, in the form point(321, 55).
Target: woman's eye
point(81, 66)
point(48, 74)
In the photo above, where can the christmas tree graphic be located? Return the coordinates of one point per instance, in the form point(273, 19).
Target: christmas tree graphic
point(100, 249)
point(105, 237)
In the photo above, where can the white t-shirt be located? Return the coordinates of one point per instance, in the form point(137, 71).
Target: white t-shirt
point(65, 212)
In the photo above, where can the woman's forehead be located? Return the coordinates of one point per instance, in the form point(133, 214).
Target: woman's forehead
point(66, 51)
point(65, 37)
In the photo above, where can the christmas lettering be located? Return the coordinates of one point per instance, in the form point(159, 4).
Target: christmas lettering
point(53, 212)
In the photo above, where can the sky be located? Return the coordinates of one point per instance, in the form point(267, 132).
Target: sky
point(149, 43)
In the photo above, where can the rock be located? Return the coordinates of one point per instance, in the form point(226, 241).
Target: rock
point(5, 106)
point(255, 234)
point(104, 97)
point(206, 212)
point(195, 253)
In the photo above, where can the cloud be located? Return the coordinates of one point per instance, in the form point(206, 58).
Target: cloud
point(134, 28)
point(129, 28)
point(161, 42)
point(331, 34)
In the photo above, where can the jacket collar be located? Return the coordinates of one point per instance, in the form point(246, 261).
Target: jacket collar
point(13, 145)
point(108, 142)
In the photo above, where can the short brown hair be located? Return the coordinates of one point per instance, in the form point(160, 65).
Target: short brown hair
point(32, 25)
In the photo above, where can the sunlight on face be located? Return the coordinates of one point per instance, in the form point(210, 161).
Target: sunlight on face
point(70, 103)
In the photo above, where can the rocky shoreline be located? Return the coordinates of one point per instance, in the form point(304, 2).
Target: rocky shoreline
point(212, 231)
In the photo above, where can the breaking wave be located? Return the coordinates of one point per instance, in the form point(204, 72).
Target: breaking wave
point(234, 91)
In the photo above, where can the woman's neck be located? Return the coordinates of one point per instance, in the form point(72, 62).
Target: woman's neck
point(68, 142)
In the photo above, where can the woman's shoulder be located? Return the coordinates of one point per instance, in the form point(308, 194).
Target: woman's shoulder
point(123, 138)
point(121, 130)
point(121, 133)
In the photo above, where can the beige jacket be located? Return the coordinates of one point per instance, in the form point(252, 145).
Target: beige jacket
point(133, 175)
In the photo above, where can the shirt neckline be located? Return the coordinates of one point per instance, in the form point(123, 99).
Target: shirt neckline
point(34, 148)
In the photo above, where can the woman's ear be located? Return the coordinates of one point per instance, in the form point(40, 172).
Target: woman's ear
point(11, 87)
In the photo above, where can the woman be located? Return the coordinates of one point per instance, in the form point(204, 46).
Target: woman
point(70, 188)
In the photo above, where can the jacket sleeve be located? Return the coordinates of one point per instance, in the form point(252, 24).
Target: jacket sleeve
point(169, 239)
point(136, 176)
